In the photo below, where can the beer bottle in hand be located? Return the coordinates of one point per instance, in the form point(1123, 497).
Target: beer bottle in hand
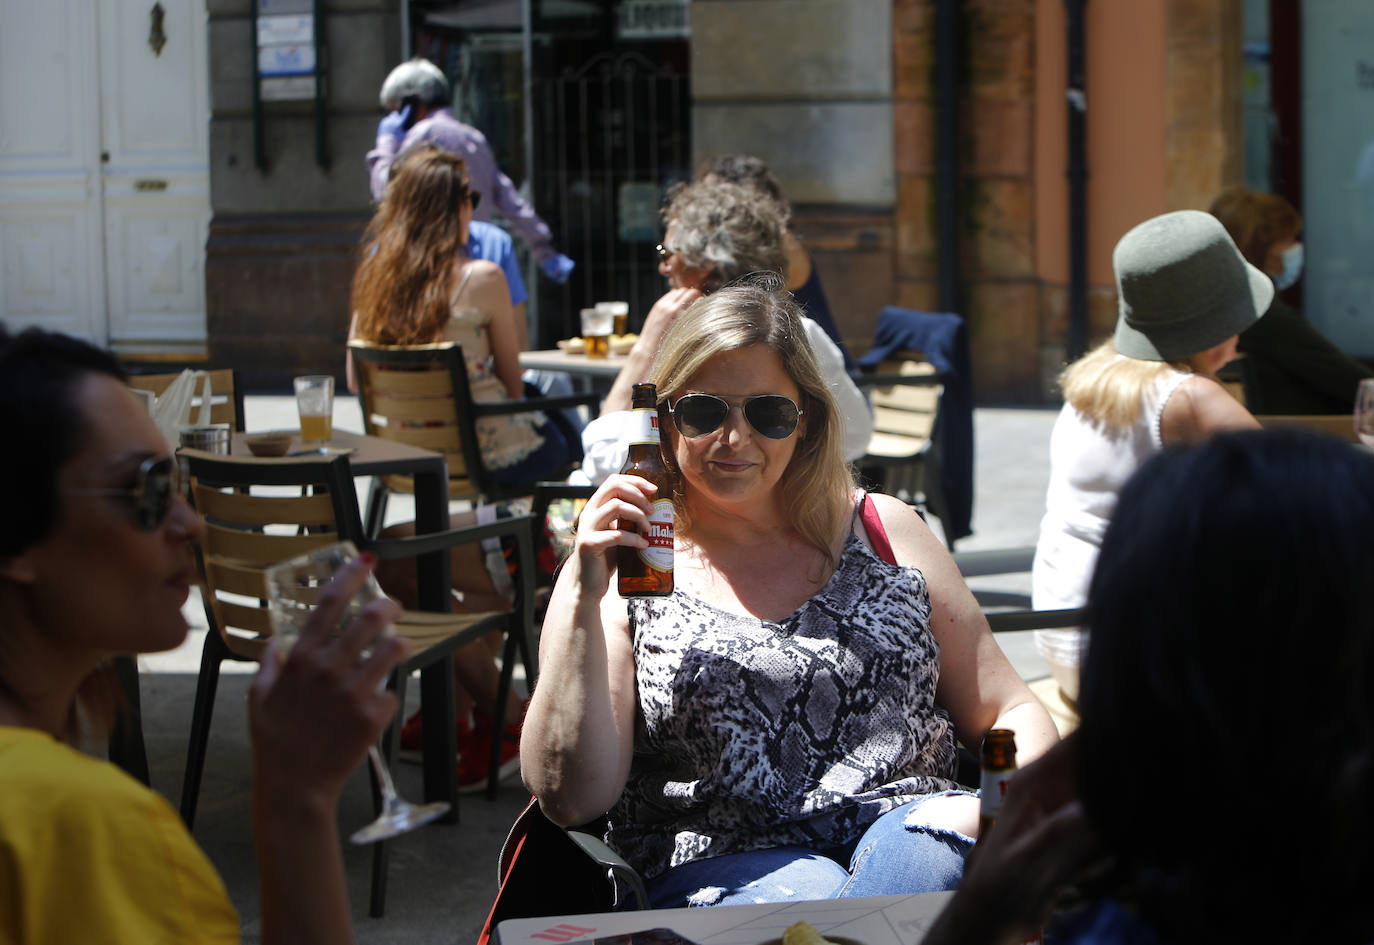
point(648, 572)
point(999, 764)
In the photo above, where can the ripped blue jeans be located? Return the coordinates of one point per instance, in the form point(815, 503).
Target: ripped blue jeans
point(890, 857)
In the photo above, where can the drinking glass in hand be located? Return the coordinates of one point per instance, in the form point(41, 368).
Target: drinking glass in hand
point(293, 589)
point(1364, 412)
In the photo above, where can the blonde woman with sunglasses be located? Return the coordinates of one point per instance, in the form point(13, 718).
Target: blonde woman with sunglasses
point(783, 725)
point(95, 560)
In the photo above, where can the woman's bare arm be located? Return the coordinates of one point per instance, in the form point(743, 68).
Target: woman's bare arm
point(578, 738)
point(489, 291)
point(978, 685)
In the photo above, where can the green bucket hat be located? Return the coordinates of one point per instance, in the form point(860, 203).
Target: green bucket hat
point(1183, 287)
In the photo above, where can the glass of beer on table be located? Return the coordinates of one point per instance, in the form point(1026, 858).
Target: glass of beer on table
point(596, 331)
point(620, 315)
point(315, 401)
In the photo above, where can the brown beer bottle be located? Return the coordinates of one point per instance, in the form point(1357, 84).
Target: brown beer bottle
point(999, 764)
point(648, 572)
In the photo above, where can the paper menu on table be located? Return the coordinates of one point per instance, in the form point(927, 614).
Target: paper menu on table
point(880, 920)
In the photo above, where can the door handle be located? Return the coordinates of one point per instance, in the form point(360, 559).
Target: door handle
point(149, 185)
point(157, 35)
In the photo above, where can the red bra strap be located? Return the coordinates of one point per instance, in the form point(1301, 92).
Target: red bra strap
point(877, 535)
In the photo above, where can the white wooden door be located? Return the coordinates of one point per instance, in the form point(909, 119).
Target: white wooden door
point(104, 184)
point(51, 258)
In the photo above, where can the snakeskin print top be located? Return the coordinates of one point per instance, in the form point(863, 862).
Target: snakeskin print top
point(753, 734)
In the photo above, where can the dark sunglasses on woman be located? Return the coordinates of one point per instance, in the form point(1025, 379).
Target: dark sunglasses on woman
point(771, 415)
point(157, 481)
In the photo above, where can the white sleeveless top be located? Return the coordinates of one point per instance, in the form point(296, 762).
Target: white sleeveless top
point(1089, 463)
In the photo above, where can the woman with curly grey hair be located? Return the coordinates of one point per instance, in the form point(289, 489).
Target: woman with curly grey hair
point(782, 726)
point(715, 233)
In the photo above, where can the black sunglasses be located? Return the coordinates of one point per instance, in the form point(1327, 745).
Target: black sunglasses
point(663, 251)
point(771, 415)
point(158, 480)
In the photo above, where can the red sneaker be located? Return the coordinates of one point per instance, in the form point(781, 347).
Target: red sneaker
point(474, 753)
point(412, 735)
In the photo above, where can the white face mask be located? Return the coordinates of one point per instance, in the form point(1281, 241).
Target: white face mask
point(1292, 267)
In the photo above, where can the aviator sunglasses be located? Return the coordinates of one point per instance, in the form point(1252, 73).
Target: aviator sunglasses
point(771, 415)
point(157, 481)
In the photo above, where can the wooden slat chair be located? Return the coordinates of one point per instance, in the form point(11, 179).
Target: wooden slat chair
point(226, 396)
point(126, 744)
point(261, 511)
point(419, 394)
point(1339, 425)
point(903, 457)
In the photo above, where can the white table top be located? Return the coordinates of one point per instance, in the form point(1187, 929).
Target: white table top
point(553, 359)
point(880, 920)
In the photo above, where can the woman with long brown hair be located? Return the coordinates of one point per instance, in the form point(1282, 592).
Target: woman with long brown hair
point(416, 284)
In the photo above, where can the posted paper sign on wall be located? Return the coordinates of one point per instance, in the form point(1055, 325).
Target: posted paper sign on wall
point(288, 60)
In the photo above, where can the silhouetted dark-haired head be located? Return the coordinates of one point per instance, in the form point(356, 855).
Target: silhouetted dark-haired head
point(39, 373)
point(1227, 745)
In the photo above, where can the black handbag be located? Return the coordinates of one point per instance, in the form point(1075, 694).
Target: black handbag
point(545, 870)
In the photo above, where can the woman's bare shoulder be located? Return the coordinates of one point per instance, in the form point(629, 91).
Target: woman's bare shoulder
point(906, 531)
point(482, 271)
point(1199, 407)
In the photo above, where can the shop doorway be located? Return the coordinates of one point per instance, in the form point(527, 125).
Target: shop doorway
point(587, 108)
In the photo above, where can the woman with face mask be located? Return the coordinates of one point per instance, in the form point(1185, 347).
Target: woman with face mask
point(1290, 367)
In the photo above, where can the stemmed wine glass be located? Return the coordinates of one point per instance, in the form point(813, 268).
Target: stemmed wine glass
point(1364, 412)
point(293, 589)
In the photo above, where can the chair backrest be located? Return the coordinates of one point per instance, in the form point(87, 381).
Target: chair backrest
point(258, 512)
point(1339, 425)
point(1235, 375)
point(905, 411)
point(226, 396)
point(419, 394)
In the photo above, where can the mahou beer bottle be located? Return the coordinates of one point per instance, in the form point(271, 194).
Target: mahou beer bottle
point(648, 572)
point(999, 764)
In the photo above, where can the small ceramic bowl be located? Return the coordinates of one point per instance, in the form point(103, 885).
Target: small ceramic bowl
point(268, 444)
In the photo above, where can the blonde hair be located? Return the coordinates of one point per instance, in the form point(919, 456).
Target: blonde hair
point(816, 486)
point(1108, 387)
